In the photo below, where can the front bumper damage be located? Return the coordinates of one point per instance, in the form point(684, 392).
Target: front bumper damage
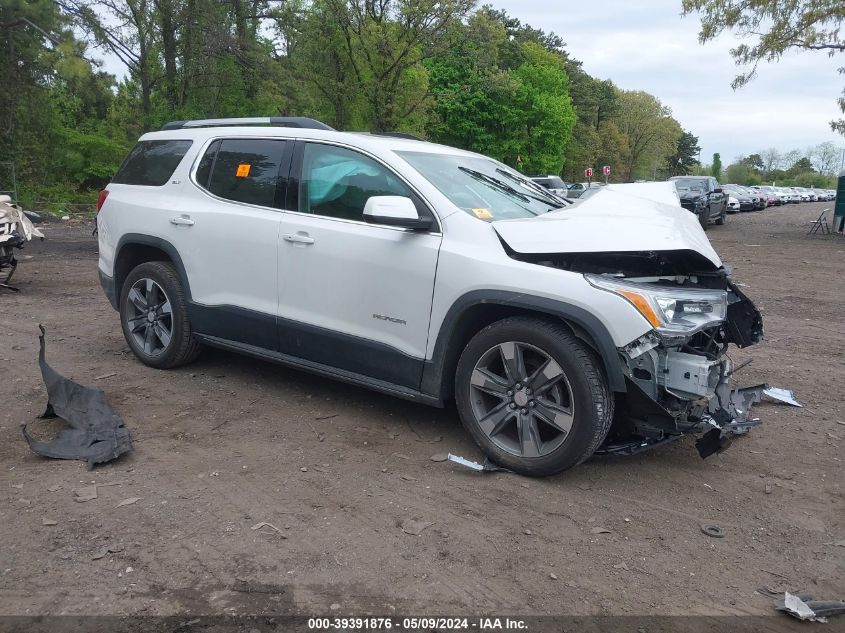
point(682, 385)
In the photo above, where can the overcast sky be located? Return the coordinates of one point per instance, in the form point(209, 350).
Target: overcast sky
point(647, 45)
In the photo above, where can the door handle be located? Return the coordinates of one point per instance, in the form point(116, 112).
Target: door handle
point(298, 238)
point(182, 220)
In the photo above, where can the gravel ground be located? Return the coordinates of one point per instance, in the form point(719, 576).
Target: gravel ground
point(229, 442)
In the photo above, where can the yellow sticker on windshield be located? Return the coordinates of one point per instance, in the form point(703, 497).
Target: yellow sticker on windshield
point(243, 170)
point(482, 214)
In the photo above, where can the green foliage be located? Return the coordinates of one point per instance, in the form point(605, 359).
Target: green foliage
point(651, 132)
point(716, 166)
point(742, 174)
point(477, 79)
point(501, 98)
point(686, 155)
point(771, 27)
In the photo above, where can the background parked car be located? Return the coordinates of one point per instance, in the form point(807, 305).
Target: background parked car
point(552, 183)
point(703, 196)
point(746, 201)
point(733, 204)
point(771, 198)
point(757, 199)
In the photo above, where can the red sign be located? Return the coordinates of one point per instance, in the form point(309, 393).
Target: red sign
point(588, 173)
point(606, 170)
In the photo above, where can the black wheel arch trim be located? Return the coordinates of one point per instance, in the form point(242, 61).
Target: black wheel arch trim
point(132, 239)
point(434, 378)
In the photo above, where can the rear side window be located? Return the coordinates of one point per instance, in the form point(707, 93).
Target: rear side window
point(243, 170)
point(151, 163)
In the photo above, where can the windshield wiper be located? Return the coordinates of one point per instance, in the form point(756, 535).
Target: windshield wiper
point(545, 197)
point(495, 183)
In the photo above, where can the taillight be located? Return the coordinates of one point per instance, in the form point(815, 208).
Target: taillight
point(101, 199)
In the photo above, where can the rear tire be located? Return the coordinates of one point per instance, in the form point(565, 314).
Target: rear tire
point(154, 316)
point(532, 396)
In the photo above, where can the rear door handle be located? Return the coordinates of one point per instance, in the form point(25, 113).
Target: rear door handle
point(298, 238)
point(182, 220)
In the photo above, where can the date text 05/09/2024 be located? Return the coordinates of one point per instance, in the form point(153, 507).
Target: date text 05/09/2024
point(417, 624)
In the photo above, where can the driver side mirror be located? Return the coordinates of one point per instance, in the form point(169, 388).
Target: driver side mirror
point(395, 211)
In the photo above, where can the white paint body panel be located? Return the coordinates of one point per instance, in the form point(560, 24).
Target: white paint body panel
point(355, 274)
point(236, 254)
point(229, 253)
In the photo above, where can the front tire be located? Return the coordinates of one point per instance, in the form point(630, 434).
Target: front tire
point(532, 396)
point(154, 316)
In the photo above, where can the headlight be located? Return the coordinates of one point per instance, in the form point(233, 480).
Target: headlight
point(671, 311)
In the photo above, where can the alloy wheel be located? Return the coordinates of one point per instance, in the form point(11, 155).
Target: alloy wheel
point(522, 399)
point(149, 316)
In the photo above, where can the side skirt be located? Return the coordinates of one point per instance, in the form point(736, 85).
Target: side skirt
point(321, 370)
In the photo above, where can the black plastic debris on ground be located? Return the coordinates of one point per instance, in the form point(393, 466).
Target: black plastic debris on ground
point(805, 607)
point(97, 434)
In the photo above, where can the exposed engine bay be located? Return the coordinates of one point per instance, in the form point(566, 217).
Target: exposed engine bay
point(15, 230)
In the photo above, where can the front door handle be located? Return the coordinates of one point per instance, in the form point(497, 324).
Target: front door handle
point(298, 238)
point(182, 220)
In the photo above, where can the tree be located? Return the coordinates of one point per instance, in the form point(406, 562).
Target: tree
point(801, 166)
point(716, 166)
point(125, 28)
point(651, 132)
point(789, 159)
point(771, 159)
point(742, 173)
point(773, 26)
point(385, 43)
point(502, 99)
point(754, 161)
point(826, 158)
point(686, 155)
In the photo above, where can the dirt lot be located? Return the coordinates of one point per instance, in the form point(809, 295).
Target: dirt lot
point(230, 442)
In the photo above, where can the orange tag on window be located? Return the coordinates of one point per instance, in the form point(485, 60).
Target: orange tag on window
point(482, 214)
point(243, 170)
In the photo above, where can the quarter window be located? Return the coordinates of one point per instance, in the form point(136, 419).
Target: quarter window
point(243, 170)
point(151, 163)
point(337, 182)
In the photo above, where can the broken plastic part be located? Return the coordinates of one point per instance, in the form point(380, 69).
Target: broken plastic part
point(783, 395)
point(806, 607)
point(487, 466)
point(97, 433)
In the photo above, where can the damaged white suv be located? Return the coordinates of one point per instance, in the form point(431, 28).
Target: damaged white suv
point(559, 329)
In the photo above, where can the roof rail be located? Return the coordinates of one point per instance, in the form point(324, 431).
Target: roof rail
point(404, 135)
point(278, 121)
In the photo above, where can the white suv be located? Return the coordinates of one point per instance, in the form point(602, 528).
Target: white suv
point(429, 273)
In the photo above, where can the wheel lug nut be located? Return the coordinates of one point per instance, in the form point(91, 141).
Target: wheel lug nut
point(531, 403)
point(510, 392)
point(527, 392)
point(519, 385)
point(512, 405)
point(523, 411)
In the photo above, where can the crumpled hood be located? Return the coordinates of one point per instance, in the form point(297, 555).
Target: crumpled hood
point(606, 222)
